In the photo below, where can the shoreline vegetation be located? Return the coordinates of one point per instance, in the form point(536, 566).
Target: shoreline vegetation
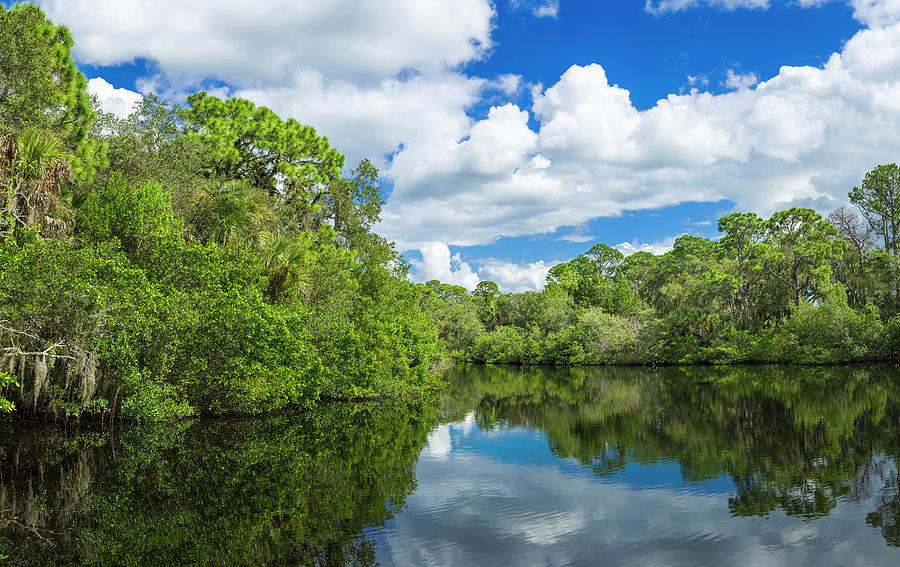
point(216, 259)
point(795, 288)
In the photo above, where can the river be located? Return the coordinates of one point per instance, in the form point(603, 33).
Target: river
point(510, 466)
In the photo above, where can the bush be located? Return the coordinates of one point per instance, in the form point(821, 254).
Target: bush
point(503, 345)
point(609, 339)
point(831, 332)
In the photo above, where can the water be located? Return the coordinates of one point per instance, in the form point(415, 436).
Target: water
point(625, 466)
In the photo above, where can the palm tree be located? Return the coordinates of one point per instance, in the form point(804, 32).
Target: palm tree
point(33, 168)
point(229, 212)
point(284, 260)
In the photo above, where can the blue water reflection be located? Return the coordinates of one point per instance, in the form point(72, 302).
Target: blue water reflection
point(501, 491)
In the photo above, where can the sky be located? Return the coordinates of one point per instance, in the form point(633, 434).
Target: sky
point(512, 135)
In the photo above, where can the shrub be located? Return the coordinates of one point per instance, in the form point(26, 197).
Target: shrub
point(831, 332)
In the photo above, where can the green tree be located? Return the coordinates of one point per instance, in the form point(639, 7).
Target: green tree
point(852, 268)
point(742, 232)
point(249, 142)
point(42, 89)
point(33, 168)
point(801, 245)
point(878, 197)
point(639, 269)
point(228, 212)
point(594, 279)
point(486, 289)
point(486, 294)
point(284, 261)
point(149, 146)
point(607, 260)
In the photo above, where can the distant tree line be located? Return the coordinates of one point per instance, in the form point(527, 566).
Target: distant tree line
point(795, 287)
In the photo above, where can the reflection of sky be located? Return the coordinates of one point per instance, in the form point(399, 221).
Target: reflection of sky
point(500, 497)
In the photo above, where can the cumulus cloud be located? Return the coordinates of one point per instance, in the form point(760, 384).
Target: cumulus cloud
point(517, 277)
point(260, 44)
point(876, 13)
point(438, 264)
point(802, 137)
point(385, 82)
point(374, 120)
point(119, 102)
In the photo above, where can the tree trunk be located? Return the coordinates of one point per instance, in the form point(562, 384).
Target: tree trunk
point(743, 289)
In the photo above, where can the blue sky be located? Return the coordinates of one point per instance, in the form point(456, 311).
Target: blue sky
point(515, 134)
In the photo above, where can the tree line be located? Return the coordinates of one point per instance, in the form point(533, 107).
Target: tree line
point(795, 287)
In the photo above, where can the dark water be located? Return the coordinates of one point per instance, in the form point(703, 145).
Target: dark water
point(747, 466)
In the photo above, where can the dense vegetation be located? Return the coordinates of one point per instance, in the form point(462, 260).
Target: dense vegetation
point(792, 288)
point(208, 259)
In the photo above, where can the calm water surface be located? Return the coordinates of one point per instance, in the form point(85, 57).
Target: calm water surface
point(547, 467)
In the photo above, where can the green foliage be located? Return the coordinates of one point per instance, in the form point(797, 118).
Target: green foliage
point(878, 197)
point(7, 380)
point(139, 219)
point(595, 279)
point(742, 233)
point(832, 332)
point(243, 141)
point(42, 88)
point(148, 146)
point(801, 245)
point(151, 326)
point(228, 213)
point(503, 345)
point(776, 290)
point(610, 339)
point(33, 170)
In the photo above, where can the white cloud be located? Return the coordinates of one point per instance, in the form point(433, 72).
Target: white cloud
point(508, 84)
point(437, 264)
point(698, 80)
point(668, 6)
point(876, 13)
point(549, 9)
point(539, 8)
point(873, 13)
point(803, 137)
point(659, 247)
point(260, 44)
point(120, 102)
point(739, 81)
point(373, 120)
point(384, 80)
point(517, 277)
